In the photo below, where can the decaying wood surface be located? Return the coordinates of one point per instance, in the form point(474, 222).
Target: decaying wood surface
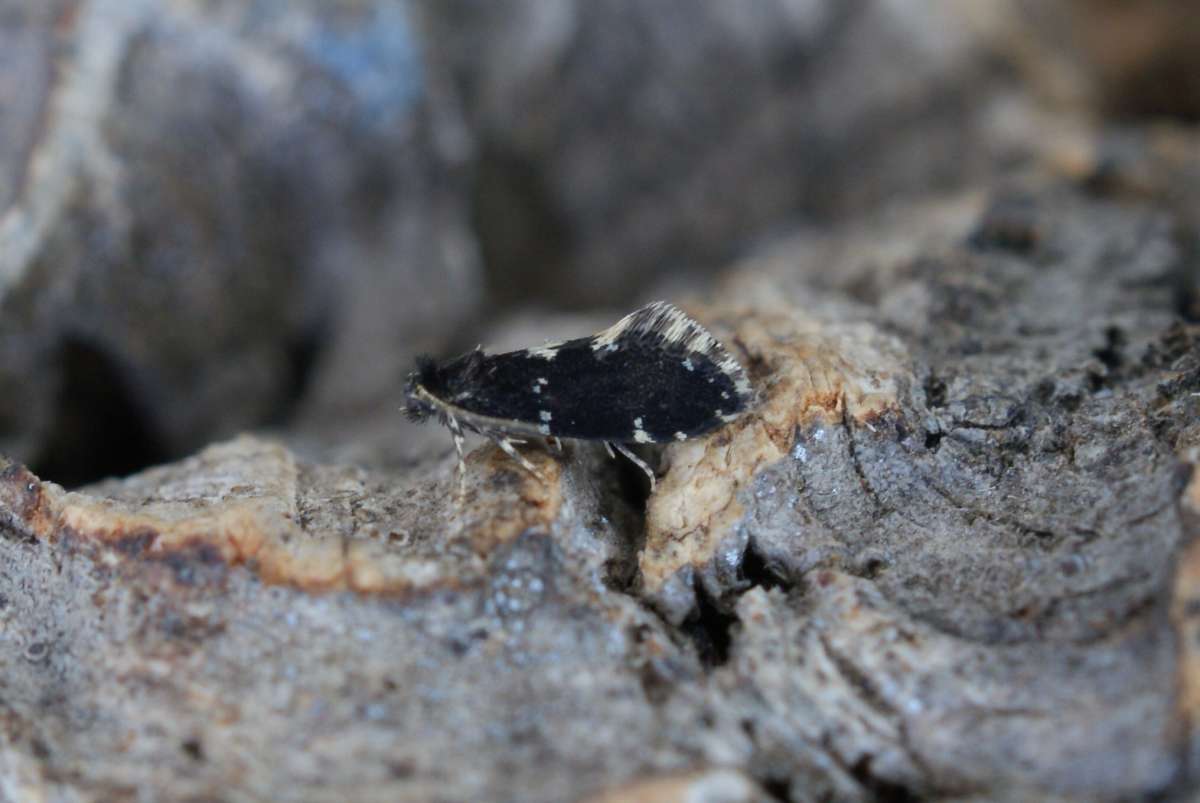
point(952, 554)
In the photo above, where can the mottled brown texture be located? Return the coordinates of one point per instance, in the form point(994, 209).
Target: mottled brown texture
point(948, 556)
point(811, 374)
point(1142, 59)
point(615, 137)
point(951, 555)
point(279, 518)
point(1185, 617)
point(712, 786)
point(224, 660)
point(999, 391)
point(207, 220)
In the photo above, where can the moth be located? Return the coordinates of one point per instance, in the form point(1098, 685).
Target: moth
point(655, 376)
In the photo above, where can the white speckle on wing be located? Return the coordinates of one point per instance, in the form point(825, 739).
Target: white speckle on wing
point(681, 436)
point(546, 352)
point(687, 363)
point(537, 388)
point(544, 415)
point(544, 429)
point(641, 436)
point(729, 366)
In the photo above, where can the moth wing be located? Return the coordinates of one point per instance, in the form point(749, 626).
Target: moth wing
point(654, 376)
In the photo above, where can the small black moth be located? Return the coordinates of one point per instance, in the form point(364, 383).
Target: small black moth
point(654, 376)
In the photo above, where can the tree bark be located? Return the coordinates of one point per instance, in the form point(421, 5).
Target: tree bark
point(950, 553)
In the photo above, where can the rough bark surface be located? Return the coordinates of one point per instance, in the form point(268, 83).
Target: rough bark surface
point(951, 554)
point(610, 134)
point(209, 208)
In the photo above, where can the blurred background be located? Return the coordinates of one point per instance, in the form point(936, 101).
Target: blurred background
point(219, 215)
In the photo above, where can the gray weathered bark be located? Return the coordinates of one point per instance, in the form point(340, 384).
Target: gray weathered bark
point(206, 209)
point(949, 554)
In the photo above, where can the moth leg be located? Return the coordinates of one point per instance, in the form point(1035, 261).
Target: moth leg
point(456, 433)
point(637, 461)
point(608, 448)
point(558, 445)
point(507, 445)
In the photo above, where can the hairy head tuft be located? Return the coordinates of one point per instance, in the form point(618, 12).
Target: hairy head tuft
point(416, 408)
